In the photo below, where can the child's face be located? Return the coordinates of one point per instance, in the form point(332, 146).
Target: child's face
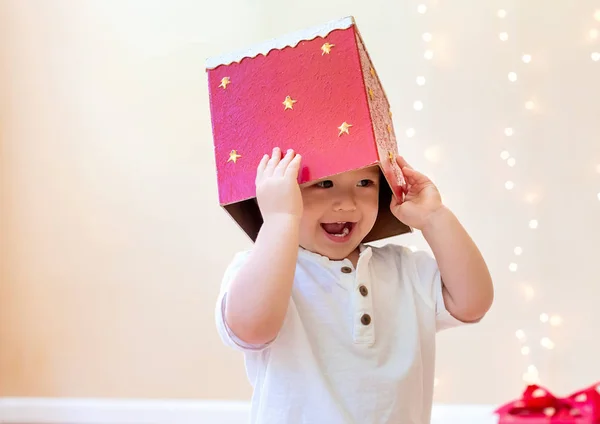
point(339, 212)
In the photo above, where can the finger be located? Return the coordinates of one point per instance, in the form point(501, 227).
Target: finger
point(402, 162)
point(414, 177)
point(260, 169)
point(283, 164)
point(275, 158)
point(293, 168)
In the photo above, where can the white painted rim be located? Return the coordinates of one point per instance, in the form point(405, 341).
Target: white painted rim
point(288, 40)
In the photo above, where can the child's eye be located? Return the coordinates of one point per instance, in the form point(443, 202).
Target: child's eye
point(365, 183)
point(325, 184)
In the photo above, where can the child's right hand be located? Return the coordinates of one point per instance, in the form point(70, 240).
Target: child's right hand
point(277, 188)
point(259, 294)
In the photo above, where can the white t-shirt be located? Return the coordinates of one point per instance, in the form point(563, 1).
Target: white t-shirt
point(357, 346)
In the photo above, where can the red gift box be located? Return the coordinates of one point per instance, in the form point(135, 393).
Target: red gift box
point(537, 405)
point(314, 91)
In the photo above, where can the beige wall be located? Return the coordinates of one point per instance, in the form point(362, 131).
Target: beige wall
point(115, 236)
point(112, 239)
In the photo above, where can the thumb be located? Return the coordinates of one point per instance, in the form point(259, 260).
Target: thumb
point(395, 204)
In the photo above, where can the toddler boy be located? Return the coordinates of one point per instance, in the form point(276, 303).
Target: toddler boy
point(334, 331)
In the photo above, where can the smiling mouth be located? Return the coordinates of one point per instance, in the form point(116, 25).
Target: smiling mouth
point(338, 229)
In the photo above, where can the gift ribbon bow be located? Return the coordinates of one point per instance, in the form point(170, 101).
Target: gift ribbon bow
point(537, 402)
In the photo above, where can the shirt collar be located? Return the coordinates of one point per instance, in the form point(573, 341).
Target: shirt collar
point(363, 249)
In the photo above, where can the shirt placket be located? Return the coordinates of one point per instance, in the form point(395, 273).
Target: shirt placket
point(362, 301)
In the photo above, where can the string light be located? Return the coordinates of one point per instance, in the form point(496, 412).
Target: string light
point(528, 292)
point(595, 56)
point(597, 15)
point(598, 195)
point(433, 154)
point(547, 343)
point(555, 320)
point(531, 198)
point(532, 375)
point(593, 34)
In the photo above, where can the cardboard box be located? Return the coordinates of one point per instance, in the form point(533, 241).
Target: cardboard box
point(314, 91)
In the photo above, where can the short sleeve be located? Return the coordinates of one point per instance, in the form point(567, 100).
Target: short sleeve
point(227, 336)
point(431, 281)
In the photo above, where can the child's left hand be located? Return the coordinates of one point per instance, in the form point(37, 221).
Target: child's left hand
point(421, 201)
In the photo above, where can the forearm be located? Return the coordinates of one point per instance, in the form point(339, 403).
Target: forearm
point(259, 295)
point(463, 270)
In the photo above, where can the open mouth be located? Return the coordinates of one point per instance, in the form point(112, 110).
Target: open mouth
point(338, 230)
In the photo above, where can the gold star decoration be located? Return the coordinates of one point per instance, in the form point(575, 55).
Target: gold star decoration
point(289, 103)
point(371, 94)
point(326, 48)
point(389, 128)
point(344, 128)
point(390, 113)
point(233, 156)
point(372, 72)
point(224, 82)
point(391, 156)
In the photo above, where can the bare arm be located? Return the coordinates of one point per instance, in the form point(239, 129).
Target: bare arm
point(467, 285)
point(259, 295)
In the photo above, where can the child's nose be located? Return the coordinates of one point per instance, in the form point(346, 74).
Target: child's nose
point(344, 203)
